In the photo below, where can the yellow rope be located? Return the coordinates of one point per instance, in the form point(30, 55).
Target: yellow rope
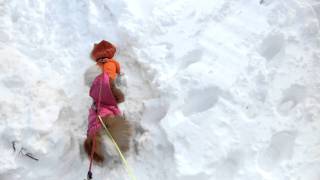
point(129, 170)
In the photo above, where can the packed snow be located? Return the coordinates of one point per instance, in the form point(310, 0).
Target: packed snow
point(215, 90)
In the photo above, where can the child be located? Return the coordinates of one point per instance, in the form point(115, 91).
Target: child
point(105, 96)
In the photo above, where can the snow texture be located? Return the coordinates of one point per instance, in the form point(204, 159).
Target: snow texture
point(216, 90)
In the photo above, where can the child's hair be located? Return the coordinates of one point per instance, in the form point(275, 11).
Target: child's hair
point(103, 49)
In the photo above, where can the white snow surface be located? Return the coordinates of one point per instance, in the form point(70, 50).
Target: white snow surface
point(215, 89)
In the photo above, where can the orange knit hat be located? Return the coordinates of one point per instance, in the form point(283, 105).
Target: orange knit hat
point(103, 49)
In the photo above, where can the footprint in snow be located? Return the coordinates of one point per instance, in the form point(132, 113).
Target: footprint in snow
point(280, 149)
point(291, 97)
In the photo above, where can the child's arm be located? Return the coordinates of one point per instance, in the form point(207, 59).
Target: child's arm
point(118, 95)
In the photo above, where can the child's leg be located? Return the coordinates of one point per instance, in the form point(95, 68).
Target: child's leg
point(120, 130)
point(98, 154)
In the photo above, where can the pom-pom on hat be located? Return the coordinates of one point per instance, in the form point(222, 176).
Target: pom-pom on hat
point(103, 49)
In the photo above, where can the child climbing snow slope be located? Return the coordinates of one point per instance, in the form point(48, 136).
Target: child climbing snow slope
point(106, 97)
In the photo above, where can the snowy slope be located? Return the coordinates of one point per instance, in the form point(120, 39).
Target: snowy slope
point(216, 90)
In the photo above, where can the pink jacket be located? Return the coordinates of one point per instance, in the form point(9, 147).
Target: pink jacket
point(108, 104)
